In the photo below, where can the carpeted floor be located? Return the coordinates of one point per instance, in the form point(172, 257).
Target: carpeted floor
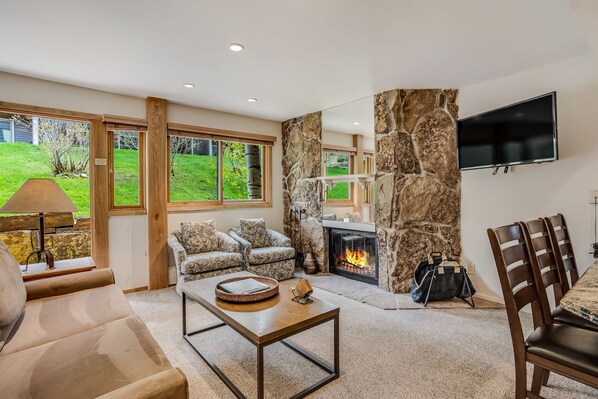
point(428, 353)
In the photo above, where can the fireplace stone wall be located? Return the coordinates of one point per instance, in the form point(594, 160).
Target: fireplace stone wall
point(302, 164)
point(418, 183)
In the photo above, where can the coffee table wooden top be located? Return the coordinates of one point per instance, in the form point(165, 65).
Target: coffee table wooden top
point(265, 321)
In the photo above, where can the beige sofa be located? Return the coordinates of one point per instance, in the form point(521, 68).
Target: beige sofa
point(79, 338)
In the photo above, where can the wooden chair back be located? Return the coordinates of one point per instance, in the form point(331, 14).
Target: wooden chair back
point(517, 280)
point(543, 261)
point(563, 250)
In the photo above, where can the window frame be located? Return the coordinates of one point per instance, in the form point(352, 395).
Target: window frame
point(339, 150)
point(113, 209)
point(12, 128)
point(175, 129)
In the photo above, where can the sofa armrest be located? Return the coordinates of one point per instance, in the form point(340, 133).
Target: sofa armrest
point(178, 251)
point(168, 384)
point(245, 245)
point(277, 239)
point(67, 284)
point(227, 244)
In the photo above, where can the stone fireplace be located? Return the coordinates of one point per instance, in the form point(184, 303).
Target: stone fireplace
point(353, 254)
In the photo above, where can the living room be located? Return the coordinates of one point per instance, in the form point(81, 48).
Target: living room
point(212, 127)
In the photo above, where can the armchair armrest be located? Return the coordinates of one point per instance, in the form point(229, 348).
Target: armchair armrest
point(67, 284)
point(227, 243)
point(277, 239)
point(178, 251)
point(168, 384)
point(245, 245)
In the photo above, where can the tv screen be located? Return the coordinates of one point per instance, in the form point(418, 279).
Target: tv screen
point(521, 133)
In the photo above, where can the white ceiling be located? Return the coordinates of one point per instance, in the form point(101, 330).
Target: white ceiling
point(341, 119)
point(301, 56)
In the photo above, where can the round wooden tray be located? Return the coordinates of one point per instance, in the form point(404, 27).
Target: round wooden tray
point(258, 296)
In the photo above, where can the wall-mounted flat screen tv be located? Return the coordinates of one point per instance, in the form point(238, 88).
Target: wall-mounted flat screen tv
point(520, 133)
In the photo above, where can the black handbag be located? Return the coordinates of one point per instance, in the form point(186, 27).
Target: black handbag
point(438, 278)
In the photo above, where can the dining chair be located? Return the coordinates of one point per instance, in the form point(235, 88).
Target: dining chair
point(543, 259)
point(560, 348)
point(563, 250)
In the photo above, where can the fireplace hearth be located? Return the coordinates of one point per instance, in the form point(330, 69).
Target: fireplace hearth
point(353, 254)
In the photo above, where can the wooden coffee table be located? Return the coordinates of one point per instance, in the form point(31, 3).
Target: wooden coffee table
point(262, 323)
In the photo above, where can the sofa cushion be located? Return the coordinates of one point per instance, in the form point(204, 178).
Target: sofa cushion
point(12, 294)
point(208, 261)
point(84, 365)
point(52, 318)
point(254, 231)
point(259, 256)
point(199, 237)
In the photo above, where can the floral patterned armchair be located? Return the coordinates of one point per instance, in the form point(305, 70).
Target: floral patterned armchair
point(265, 252)
point(199, 251)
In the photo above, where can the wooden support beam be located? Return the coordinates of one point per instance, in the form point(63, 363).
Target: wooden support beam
point(359, 169)
point(99, 194)
point(157, 172)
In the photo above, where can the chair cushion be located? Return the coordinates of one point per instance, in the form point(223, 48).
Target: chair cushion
point(208, 261)
point(12, 294)
point(560, 315)
point(199, 237)
point(259, 256)
point(565, 344)
point(52, 318)
point(254, 231)
point(84, 365)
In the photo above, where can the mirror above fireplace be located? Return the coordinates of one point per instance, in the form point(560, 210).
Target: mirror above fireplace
point(349, 166)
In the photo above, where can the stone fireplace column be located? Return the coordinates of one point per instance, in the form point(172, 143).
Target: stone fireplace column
point(301, 164)
point(418, 185)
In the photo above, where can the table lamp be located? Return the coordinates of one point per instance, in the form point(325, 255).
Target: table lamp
point(39, 196)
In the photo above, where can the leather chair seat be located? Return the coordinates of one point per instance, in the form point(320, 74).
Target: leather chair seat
point(560, 315)
point(565, 344)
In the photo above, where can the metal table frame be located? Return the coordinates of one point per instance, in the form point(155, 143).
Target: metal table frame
point(332, 371)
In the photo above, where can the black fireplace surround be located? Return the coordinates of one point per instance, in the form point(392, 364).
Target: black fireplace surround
point(353, 254)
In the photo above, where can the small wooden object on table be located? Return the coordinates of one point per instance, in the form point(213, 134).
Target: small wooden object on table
point(38, 271)
point(302, 292)
point(254, 297)
point(262, 323)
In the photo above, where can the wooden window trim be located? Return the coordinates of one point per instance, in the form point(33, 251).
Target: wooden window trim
point(344, 202)
point(221, 203)
point(220, 134)
point(122, 210)
point(339, 149)
point(98, 176)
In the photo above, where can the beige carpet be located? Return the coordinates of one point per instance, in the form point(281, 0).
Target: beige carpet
point(384, 354)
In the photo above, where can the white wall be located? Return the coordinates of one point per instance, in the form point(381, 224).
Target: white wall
point(345, 139)
point(128, 234)
point(531, 191)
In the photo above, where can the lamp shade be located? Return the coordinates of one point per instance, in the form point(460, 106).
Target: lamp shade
point(39, 196)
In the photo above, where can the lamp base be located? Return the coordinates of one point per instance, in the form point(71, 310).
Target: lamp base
point(46, 253)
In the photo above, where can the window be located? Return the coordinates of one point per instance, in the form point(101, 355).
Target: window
point(339, 164)
point(46, 147)
point(127, 168)
point(211, 171)
point(194, 169)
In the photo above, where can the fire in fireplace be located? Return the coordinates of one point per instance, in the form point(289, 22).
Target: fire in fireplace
point(353, 254)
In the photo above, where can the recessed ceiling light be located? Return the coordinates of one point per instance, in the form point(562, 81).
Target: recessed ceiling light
point(356, 123)
point(236, 47)
point(252, 100)
point(189, 85)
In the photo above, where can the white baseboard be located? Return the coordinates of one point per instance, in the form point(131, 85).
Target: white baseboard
point(492, 298)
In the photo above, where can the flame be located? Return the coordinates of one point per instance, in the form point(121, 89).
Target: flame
point(358, 258)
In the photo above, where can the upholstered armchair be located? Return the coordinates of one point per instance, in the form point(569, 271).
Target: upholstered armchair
point(265, 252)
point(199, 251)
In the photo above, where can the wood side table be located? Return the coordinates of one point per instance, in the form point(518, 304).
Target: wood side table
point(38, 271)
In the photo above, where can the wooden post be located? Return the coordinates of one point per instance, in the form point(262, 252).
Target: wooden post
point(157, 213)
point(358, 168)
point(99, 194)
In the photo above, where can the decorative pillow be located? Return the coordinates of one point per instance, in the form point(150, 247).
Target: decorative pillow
point(254, 231)
point(199, 237)
point(12, 294)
